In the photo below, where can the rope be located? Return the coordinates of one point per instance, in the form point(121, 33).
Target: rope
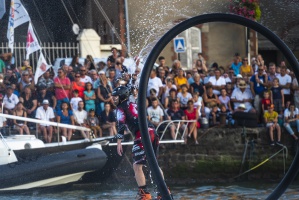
point(67, 11)
point(260, 164)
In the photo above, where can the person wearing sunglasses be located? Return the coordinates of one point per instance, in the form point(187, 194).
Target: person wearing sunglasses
point(246, 70)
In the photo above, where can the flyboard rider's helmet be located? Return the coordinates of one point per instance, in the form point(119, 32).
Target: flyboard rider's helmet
point(122, 92)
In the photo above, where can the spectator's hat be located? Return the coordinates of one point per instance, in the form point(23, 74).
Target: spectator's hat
point(45, 101)
point(242, 84)
point(242, 106)
point(8, 87)
point(239, 76)
point(101, 72)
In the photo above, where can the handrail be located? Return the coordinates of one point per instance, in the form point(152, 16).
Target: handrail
point(169, 122)
point(46, 122)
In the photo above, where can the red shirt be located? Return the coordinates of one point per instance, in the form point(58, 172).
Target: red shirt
point(266, 103)
point(61, 93)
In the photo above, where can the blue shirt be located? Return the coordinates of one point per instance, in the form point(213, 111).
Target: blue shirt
point(236, 68)
point(258, 88)
point(65, 119)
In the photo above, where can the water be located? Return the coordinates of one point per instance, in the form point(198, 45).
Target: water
point(250, 191)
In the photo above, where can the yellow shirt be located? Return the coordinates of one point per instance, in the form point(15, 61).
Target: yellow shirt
point(180, 81)
point(270, 116)
point(245, 69)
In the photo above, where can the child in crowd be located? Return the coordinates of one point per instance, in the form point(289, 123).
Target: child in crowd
point(214, 116)
point(89, 97)
point(271, 120)
point(277, 96)
point(93, 123)
point(75, 100)
point(198, 104)
point(224, 99)
point(266, 101)
point(228, 115)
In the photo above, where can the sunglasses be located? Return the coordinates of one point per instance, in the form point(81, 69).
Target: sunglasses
point(261, 69)
point(25, 75)
point(77, 76)
point(82, 70)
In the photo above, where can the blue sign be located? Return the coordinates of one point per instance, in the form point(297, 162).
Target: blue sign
point(179, 45)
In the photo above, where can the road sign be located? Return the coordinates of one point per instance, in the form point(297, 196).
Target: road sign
point(179, 45)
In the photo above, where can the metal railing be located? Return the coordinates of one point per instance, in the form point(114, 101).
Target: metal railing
point(51, 51)
point(177, 131)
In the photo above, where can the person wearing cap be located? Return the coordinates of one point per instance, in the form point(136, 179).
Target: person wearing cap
point(242, 95)
point(45, 113)
point(10, 100)
point(42, 94)
point(25, 81)
point(271, 120)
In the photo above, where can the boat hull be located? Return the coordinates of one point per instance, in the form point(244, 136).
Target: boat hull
point(49, 170)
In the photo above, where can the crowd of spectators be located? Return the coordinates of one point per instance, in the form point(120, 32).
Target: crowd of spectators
point(80, 94)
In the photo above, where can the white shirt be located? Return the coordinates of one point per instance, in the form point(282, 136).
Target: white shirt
point(287, 113)
point(217, 82)
point(10, 102)
point(80, 116)
point(74, 102)
point(155, 114)
point(283, 80)
point(155, 83)
point(86, 79)
point(45, 115)
point(239, 95)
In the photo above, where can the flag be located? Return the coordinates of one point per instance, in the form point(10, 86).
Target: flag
point(32, 43)
point(41, 67)
point(10, 30)
point(17, 16)
point(2, 8)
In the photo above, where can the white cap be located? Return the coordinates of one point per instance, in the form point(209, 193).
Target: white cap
point(242, 105)
point(101, 72)
point(45, 101)
point(239, 76)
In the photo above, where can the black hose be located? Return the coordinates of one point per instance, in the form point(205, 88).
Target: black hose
point(157, 49)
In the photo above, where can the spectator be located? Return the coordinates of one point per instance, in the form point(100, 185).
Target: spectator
point(134, 95)
point(197, 86)
point(192, 73)
point(2, 122)
point(20, 125)
point(70, 73)
point(25, 81)
point(94, 124)
point(254, 65)
point(112, 77)
point(285, 81)
point(277, 97)
point(10, 77)
point(15, 90)
point(10, 100)
point(103, 93)
point(79, 85)
point(272, 73)
point(108, 120)
point(75, 100)
point(46, 81)
point(89, 62)
point(210, 99)
point(175, 113)
point(291, 119)
point(80, 117)
point(172, 96)
point(266, 101)
point(242, 95)
point(180, 79)
point(89, 97)
point(2, 66)
point(260, 61)
point(162, 75)
point(271, 120)
point(155, 83)
point(184, 96)
point(45, 113)
point(111, 59)
point(25, 65)
point(75, 63)
point(224, 99)
point(201, 66)
point(258, 84)
point(155, 113)
point(227, 114)
point(246, 70)
point(176, 66)
point(44, 94)
point(192, 114)
point(84, 78)
point(166, 88)
point(62, 86)
point(229, 89)
point(199, 104)
point(94, 77)
point(153, 94)
point(236, 64)
point(217, 82)
point(162, 63)
point(30, 102)
point(295, 87)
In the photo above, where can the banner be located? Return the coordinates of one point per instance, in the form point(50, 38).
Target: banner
point(17, 16)
point(2, 8)
point(41, 67)
point(10, 30)
point(32, 44)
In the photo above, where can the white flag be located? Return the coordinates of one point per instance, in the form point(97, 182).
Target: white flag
point(20, 15)
point(32, 44)
point(10, 30)
point(41, 67)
